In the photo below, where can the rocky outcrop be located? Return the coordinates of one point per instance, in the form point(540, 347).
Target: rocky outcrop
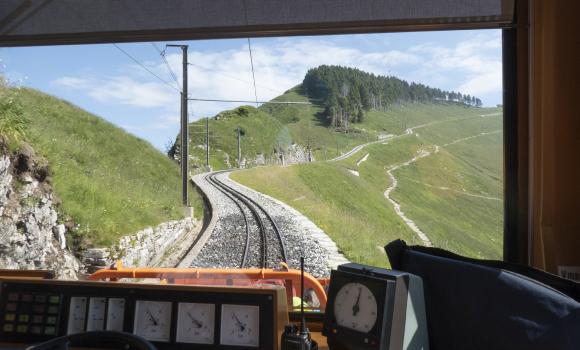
point(31, 236)
point(295, 154)
point(148, 247)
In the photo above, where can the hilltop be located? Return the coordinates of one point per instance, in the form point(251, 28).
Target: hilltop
point(109, 183)
point(346, 107)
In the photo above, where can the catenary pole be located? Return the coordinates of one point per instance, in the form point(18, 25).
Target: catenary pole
point(239, 150)
point(184, 135)
point(207, 142)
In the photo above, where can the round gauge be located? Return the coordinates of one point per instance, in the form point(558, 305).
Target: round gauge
point(240, 325)
point(355, 307)
point(153, 320)
point(195, 323)
point(77, 315)
point(96, 320)
point(115, 314)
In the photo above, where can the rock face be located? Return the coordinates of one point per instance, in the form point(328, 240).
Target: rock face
point(148, 247)
point(296, 154)
point(30, 235)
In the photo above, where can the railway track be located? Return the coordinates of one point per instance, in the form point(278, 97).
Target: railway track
point(263, 241)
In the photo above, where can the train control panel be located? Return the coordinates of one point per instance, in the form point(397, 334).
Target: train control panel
point(168, 316)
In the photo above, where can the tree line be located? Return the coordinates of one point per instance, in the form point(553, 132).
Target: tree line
point(347, 93)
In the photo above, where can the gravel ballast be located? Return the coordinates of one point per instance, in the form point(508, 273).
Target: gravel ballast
point(224, 247)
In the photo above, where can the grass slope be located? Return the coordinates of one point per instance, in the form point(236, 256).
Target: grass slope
point(260, 134)
point(269, 128)
point(110, 182)
point(443, 193)
point(276, 126)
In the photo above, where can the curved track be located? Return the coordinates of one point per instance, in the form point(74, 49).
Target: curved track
point(271, 243)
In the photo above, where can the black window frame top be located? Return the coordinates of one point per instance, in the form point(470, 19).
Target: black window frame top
point(46, 22)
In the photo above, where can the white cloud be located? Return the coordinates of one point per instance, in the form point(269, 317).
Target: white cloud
point(477, 59)
point(471, 66)
point(73, 82)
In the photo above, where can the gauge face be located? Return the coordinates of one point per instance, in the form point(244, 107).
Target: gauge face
point(355, 307)
point(96, 319)
point(195, 323)
point(77, 315)
point(116, 314)
point(153, 320)
point(240, 325)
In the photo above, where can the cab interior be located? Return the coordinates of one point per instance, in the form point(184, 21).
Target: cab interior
point(541, 79)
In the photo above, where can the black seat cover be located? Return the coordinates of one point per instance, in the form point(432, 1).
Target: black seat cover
point(483, 304)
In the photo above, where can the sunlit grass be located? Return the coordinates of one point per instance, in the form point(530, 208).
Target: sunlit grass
point(353, 210)
point(110, 183)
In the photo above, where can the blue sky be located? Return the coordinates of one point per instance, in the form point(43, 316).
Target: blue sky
point(102, 80)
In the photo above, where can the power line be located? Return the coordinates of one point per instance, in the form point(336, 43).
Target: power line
point(247, 101)
point(253, 75)
point(144, 67)
point(162, 54)
point(234, 78)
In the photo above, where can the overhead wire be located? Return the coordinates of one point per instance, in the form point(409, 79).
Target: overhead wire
point(251, 58)
point(253, 75)
point(145, 67)
point(235, 78)
point(162, 54)
point(247, 101)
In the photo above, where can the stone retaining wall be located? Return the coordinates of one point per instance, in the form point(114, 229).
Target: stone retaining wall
point(148, 247)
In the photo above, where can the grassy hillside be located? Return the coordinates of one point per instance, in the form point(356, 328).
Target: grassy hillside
point(275, 126)
point(111, 183)
point(260, 134)
point(454, 195)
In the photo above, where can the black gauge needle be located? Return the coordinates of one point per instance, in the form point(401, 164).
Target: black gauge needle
point(152, 318)
point(240, 324)
point(196, 322)
point(356, 308)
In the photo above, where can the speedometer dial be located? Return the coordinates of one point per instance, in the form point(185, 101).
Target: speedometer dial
point(240, 325)
point(355, 307)
point(195, 323)
point(153, 320)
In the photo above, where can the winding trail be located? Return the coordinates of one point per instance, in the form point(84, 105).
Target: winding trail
point(465, 193)
point(356, 149)
point(422, 153)
point(412, 225)
point(408, 131)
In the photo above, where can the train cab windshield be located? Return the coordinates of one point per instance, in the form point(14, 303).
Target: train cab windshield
point(196, 182)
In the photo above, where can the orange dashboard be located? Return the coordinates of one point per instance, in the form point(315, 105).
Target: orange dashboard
point(169, 316)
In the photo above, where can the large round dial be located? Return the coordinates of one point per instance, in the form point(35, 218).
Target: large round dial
point(355, 307)
point(153, 320)
point(195, 323)
point(240, 325)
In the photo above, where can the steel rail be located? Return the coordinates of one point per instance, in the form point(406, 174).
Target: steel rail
point(247, 243)
point(261, 229)
point(272, 222)
point(247, 200)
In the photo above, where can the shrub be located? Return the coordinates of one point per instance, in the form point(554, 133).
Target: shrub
point(13, 124)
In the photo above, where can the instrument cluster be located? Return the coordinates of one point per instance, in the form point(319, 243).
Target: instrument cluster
point(176, 317)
